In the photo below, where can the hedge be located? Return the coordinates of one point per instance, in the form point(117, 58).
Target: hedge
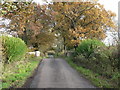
point(14, 48)
point(87, 47)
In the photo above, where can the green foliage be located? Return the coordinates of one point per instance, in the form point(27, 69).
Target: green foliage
point(16, 73)
point(100, 59)
point(87, 47)
point(95, 78)
point(14, 48)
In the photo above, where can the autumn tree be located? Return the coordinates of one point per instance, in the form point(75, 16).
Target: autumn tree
point(39, 25)
point(80, 20)
point(30, 20)
point(45, 41)
point(74, 21)
point(19, 13)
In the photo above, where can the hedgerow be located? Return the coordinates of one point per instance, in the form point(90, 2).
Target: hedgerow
point(99, 58)
point(87, 47)
point(14, 49)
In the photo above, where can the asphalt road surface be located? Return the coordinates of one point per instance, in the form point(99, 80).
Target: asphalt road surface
point(57, 73)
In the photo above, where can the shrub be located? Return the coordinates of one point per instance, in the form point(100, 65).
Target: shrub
point(101, 59)
point(87, 47)
point(14, 48)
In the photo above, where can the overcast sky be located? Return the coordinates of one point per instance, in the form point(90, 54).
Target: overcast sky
point(113, 6)
point(110, 5)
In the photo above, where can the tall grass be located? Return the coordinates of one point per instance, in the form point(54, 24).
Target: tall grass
point(15, 74)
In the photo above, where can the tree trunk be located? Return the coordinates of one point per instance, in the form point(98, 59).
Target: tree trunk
point(64, 45)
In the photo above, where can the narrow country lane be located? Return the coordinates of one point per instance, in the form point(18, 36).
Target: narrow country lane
point(57, 73)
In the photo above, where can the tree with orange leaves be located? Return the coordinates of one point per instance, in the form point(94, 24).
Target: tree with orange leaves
point(79, 20)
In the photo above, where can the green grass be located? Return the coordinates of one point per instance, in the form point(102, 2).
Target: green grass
point(95, 78)
point(15, 74)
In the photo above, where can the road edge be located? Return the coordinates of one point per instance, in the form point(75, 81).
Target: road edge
point(31, 77)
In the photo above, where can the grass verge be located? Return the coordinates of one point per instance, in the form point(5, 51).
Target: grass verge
point(15, 74)
point(95, 78)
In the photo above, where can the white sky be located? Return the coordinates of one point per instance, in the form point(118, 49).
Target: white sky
point(110, 5)
point(113, 6)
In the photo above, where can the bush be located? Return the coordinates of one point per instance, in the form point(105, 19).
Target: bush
point(87, 47)
point(101, 59)
point(14, 48)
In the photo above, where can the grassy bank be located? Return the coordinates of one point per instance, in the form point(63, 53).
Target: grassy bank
point(95, 78)
point(15, 74)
